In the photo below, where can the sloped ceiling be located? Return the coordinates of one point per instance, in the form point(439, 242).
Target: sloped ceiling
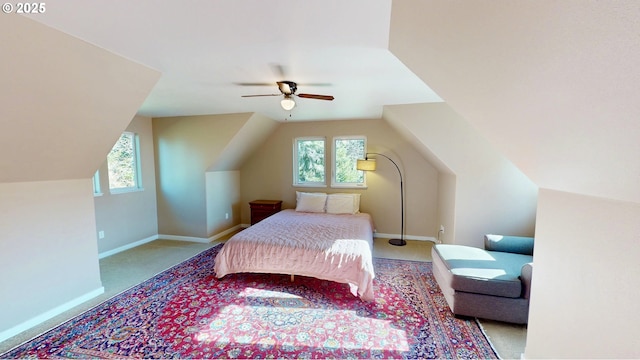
point(552, 84)
point(63, 102)
point(252, 134)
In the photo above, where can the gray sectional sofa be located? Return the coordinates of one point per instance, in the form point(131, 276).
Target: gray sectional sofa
point(491, 283)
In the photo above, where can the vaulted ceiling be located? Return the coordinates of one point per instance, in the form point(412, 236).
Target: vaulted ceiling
point(204, 49)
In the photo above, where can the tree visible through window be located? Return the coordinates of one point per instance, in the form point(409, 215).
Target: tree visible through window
point(123, 164)
point(346, 151)
point(309, 162)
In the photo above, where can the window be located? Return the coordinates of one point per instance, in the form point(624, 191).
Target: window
point(346, 151)
point(308, 162)
point(124, 164)
point(97, 191)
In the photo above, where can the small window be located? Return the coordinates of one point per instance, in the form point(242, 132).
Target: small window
point(309, 162)
point(124, 164)
point(346, 151)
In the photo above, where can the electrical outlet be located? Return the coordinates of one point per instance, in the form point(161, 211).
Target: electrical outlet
point(440, 233)
point(226, 216)
point(101, 234)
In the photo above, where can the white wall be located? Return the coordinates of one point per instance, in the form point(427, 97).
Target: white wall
point(491, 194)
point(48, 251)
point(192, 154)
point(223, 200)
point(185, 147)
point(447, 184)
point(586, 281)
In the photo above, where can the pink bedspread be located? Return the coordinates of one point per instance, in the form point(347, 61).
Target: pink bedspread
point(324, 246)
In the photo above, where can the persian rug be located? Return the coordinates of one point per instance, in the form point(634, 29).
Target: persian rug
point(186, 312)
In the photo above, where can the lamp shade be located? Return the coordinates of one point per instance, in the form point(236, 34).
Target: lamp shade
point(366, 165)
point(287, 103)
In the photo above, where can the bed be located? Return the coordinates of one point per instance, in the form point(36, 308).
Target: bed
point(321, 244)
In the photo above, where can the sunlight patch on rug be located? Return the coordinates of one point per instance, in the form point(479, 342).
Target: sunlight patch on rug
point(285, 318)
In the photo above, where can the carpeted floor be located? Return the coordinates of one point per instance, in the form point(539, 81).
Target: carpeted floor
point(186, 313)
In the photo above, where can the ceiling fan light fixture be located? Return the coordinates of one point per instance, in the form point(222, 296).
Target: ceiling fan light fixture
point(287, 103)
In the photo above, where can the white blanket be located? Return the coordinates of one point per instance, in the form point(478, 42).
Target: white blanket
point(325, 246)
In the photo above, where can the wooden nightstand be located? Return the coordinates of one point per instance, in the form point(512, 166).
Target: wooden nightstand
point(261, 209)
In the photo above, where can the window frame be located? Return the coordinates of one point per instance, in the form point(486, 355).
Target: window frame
point(334, 163)
point(97, 189)
point(137, 168)
point(296, 169)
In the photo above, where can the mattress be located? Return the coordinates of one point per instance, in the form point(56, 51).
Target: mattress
point(325, 246)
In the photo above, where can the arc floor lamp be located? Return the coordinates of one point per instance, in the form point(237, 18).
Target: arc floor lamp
point(370, 165)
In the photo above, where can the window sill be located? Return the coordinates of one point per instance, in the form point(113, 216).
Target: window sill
point(310, 185)
point(125, 191)
point(335, 186)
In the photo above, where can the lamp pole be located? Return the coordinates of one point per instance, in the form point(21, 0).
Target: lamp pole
point(401, 241)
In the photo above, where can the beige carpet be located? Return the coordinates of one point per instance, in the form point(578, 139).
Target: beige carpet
point(124, 270)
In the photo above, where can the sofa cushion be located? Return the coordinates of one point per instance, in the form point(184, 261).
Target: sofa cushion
point(512, 244)
point(480, 271)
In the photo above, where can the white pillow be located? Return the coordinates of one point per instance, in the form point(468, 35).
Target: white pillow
point(300, 193)
point(343, 203)
point(310, 202)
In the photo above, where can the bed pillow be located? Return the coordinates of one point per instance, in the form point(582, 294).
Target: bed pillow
point(300, 193)
point(311, 202)
point(343, 203)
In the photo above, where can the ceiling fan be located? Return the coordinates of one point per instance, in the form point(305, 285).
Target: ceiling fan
point(288, 89)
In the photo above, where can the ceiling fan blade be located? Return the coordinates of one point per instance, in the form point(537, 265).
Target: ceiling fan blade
point(314, 84)
point(254, 83)
point(315, 96)
point(262, 95)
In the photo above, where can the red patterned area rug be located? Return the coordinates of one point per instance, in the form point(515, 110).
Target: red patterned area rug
point(185, 312)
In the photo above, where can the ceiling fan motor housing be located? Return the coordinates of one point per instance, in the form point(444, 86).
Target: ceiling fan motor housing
point(287, 87)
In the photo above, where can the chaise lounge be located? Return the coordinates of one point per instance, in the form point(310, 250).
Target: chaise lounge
point(491, 283)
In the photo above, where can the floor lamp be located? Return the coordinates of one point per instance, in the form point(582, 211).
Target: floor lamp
point(370, 165)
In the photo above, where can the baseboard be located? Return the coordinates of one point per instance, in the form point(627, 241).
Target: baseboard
point(183, 238)
point(406, 237)
point(167, 237)
point(484, 332)
point(127, 247)
point(9, 333)
point(225, 233)
point(200, 239)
